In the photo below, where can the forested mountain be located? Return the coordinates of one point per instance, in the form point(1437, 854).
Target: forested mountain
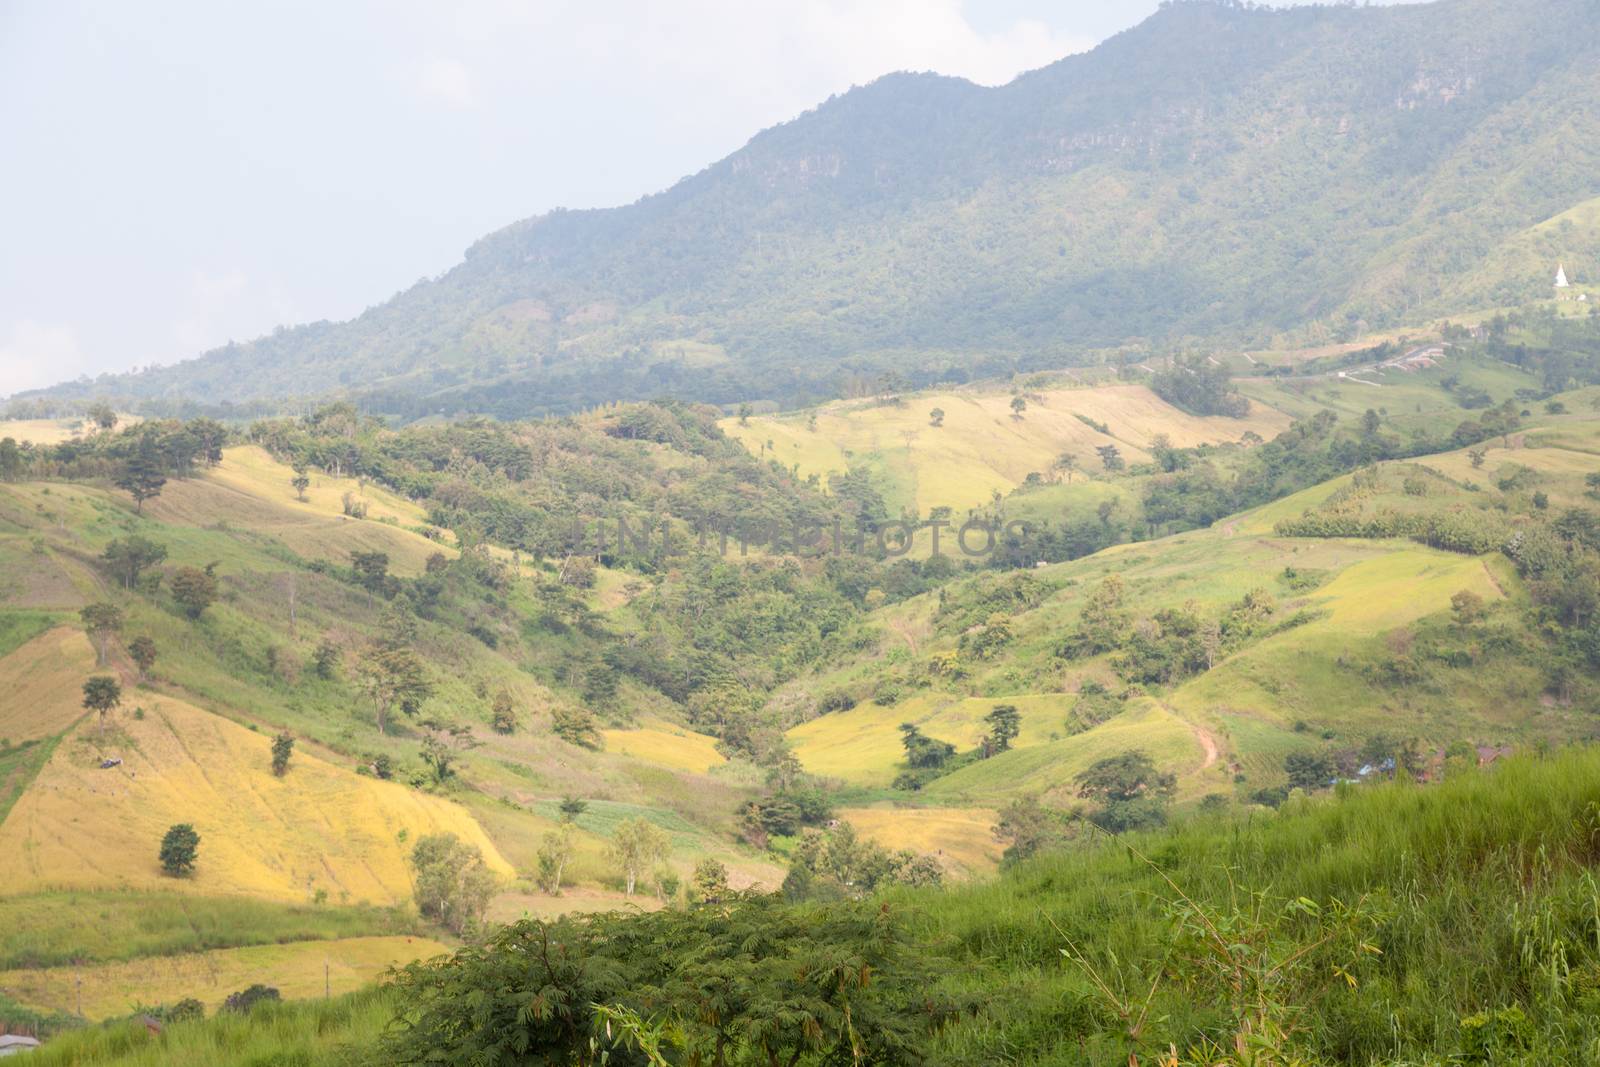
point(1221, 174)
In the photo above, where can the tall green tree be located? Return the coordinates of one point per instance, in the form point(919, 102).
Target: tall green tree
point(1005, 723)
point(576, 726)
point(443, 745)
point(393, 679)
point(555, 852)
point(103, 415)
point(180, 849)
point(195, 589)
point(922, 751)
point(102, 695)
point(282, 749)
point(452, 882)
point(1129, 789)
point(372, 570)
point(636, 847)
point(143, 473)
point(143, 651)
point(127, 557)
point(11, 459)
point(102, 622)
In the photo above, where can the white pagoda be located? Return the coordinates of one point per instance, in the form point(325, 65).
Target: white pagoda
point(1561, 276)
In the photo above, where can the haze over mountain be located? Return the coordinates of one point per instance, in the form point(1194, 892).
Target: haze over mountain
point(1217, 175)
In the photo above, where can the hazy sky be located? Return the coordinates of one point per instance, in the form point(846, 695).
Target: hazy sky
point(177, 174)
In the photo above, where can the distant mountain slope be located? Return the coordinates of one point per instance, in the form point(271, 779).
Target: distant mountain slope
point(1218, 172)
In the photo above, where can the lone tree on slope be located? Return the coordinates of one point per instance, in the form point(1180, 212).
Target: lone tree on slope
point(101, 621)
point(102, 694)
point(282, 749)
point(143, 651)
point(179, 849)
point(142, 475)
point(194, 589)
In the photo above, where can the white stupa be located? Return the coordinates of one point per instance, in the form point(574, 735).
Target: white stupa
point(1561, 276)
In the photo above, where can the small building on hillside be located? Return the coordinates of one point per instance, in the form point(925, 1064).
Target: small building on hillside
point(1562, 285)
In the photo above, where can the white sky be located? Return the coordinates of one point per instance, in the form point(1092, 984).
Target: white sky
point(178, 173)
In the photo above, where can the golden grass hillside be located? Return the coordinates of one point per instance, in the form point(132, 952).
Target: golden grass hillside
point(666, 745)
point(981, 448)
point(250, 490)
point(54, 431)
point(318, 828)
point(1049, 769)
point(863, 744)
point(42, 680)
point(296, 970)
point(961, 839)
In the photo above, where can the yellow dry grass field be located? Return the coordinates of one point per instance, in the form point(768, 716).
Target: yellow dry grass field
point(251, 490)
point(1049, 769)
point(864, 745)
point(981, 448)
point(254, 471)
point(296, 970)
point(666, 745)
point(53, 431)
point(318, 828)
point(43, 682)
point(961, 839)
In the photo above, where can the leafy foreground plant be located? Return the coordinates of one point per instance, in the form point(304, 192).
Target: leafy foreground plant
point(1457, 923)
point(747, 980)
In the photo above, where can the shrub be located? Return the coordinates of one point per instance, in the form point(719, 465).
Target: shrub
point(246, 999)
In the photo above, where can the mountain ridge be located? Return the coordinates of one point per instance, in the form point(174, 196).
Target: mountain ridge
point(1219, 174)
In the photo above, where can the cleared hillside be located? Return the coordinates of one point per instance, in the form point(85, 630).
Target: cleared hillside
point(1337, 639)
point(321, 828)
point(981, 446)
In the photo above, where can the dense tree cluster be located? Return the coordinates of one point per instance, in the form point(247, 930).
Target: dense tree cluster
point(742, 979)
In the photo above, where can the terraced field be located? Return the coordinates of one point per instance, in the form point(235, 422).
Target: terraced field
point(52, 431)
point(862, 745)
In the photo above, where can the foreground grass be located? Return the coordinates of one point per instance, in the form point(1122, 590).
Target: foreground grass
point(318, 1033)
point(1450, 924)
point(1477, 898)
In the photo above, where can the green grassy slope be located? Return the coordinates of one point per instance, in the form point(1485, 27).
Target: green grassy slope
point(193, 739)
point(1358, 640)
